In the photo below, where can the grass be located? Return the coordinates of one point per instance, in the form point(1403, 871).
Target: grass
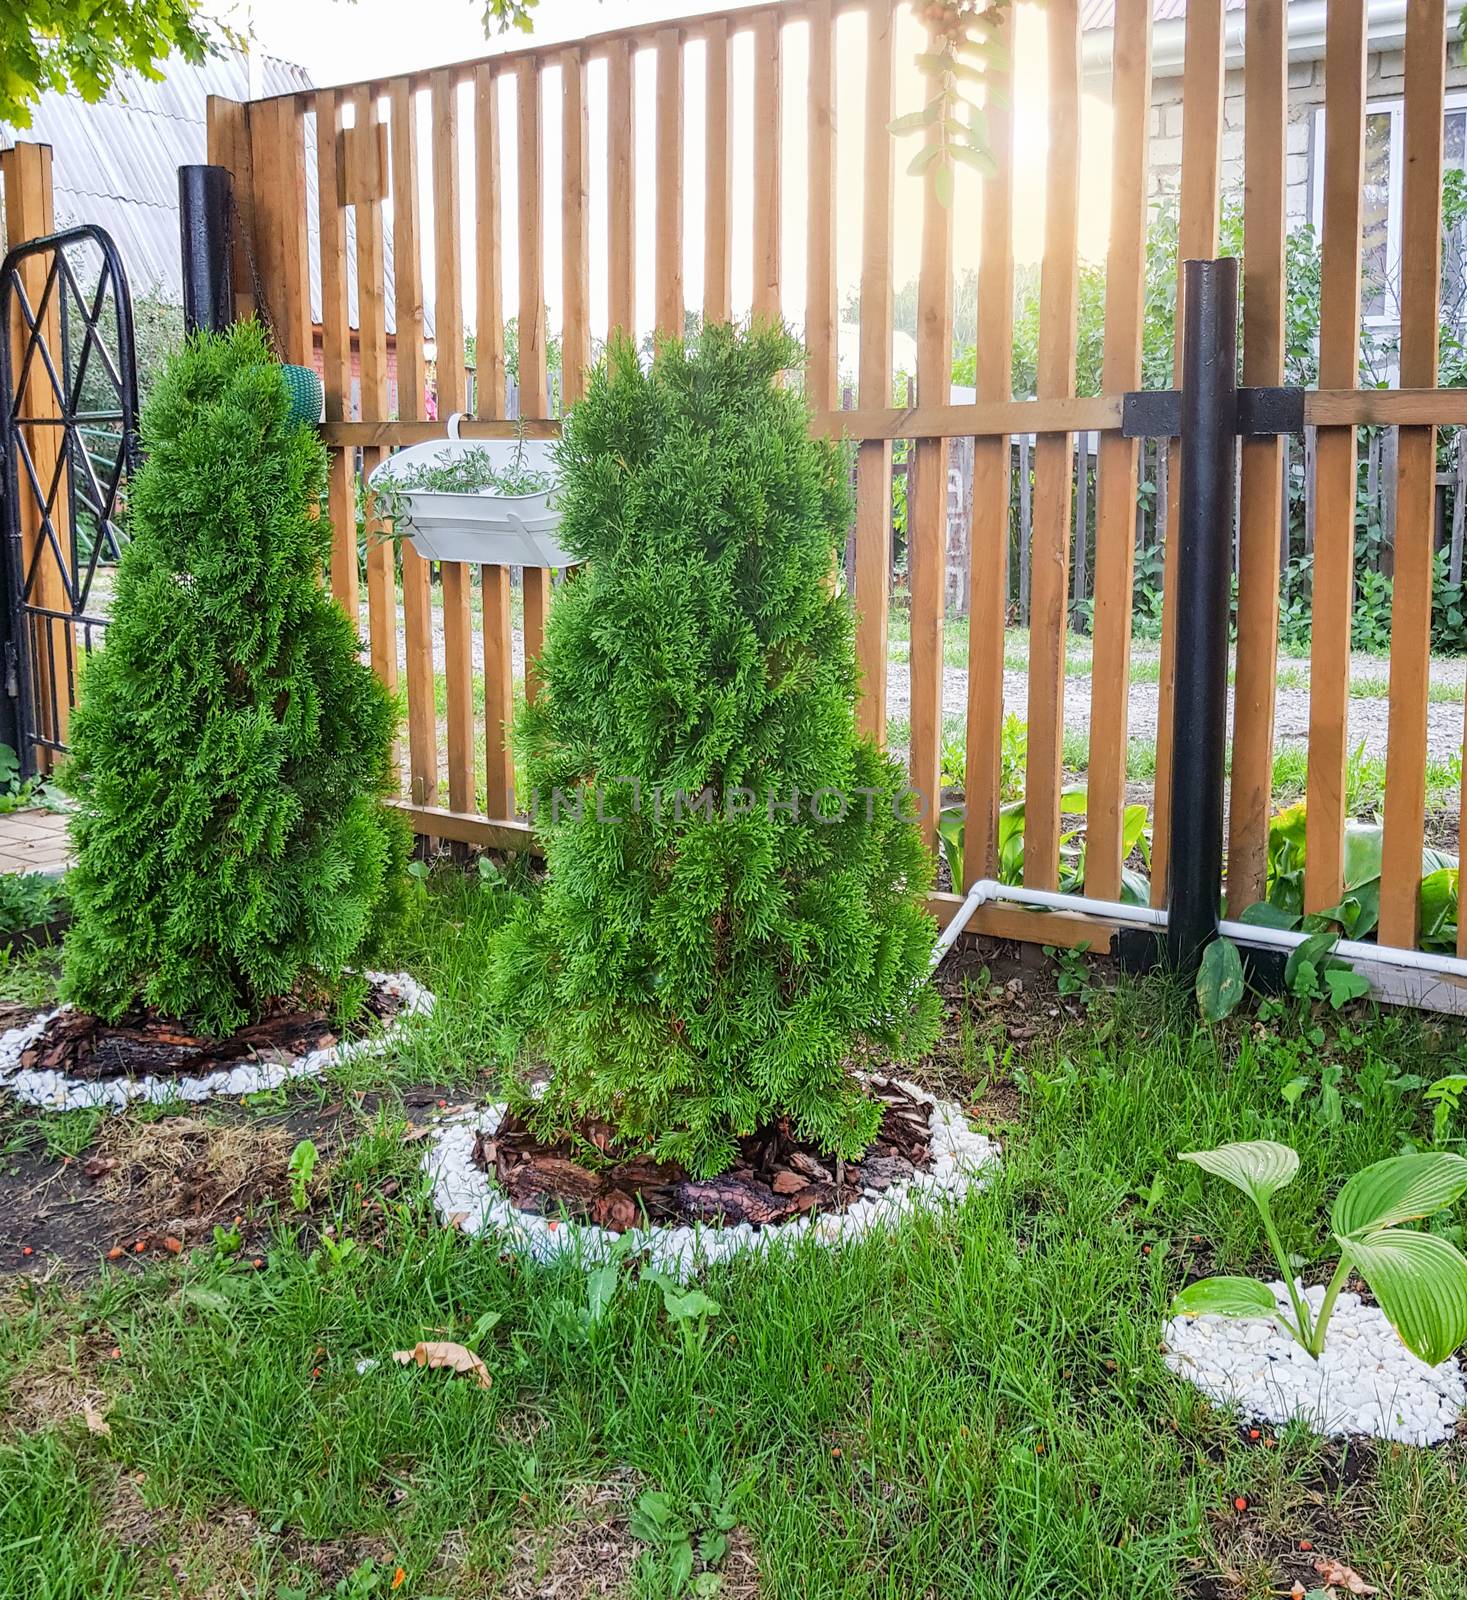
point(976, 1407)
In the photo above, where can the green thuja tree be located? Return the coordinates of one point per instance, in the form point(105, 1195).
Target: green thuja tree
point(733, 905)
point(231, 751)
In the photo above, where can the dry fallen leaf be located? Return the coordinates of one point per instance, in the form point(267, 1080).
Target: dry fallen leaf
point(444, 1353)
point(95, 1421)
point(1333, 1572)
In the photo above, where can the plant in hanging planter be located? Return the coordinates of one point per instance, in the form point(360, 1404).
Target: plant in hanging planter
point(490, 501)
point(231, 751)
point(733, 909)
point(1419, 1279)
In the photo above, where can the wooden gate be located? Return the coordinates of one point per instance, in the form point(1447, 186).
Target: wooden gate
point(467, 145)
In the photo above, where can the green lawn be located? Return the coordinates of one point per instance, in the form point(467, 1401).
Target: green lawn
point(975, 1406)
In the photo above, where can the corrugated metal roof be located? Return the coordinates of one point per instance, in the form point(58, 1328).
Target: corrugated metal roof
point(1102, 13)
point(116, 164)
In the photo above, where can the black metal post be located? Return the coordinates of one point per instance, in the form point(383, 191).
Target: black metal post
point(208, 272)
point(1209, 428)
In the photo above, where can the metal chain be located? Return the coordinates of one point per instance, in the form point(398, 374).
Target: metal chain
point(234, 223)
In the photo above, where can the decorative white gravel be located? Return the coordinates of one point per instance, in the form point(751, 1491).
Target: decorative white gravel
point(1366, 1381)
point(468, 1197)
point(56, 1091)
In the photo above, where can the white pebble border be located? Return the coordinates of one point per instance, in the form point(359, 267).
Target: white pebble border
point(55, 1091)
point(468, 1197)
point(1366, 1381)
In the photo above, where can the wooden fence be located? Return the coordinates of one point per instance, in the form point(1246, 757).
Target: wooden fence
point(370, 148)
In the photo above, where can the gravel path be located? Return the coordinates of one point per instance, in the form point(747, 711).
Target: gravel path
point(1369, 716)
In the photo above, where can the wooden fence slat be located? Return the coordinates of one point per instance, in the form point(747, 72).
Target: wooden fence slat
point(534, 401)
point(1261, 477)
point(621, 182)
point(489, 251)
point(372, 347)
point(768, 126)
point(30, 214)
point(336, 352)
point(575, 268)
point(1053, 481)
point(1116, 458)
point(718, 183)
point(669, 247)
point(228, 145)
point(499, 798)
point(455, 577)
point(1202, 113)
point(407, 274)
point(988, 573)
point(1334, 455)
point(1415, 498)
point(277, 148)
point(821, 378)
point(927, 503)
point(873, 460)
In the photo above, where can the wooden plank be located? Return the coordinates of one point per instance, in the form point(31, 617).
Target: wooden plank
point(448, 332)
point(1261, 477)
point(873, 460)
point(1404, 407)
point(1415, 504)
point(498, 693)
point(1047, 414)
point(489, 251)
point(30, 214)
point(336, 353)
point(495, 581)
point(1202, 112)
point(277, 140)
point(1064, 929)
point(1334, 470)
point(532, 374)
point(575, 268)
point(228, 145)
point(1053, 484)
point(992, 480)
point(718, 177)
point(1116, 460)
point(668, 257)
point(408, 302)
point(821, 380)
point(441, 822)
point(927, 502)
point(768, 123)
point(621, 185)
point(372, 343)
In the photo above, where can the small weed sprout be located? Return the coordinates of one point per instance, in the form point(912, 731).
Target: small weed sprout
point(302, 1166)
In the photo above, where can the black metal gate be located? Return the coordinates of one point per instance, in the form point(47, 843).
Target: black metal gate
point(68, 383)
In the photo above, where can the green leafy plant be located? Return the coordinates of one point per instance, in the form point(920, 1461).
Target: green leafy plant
point(302, 1165)
point(703, 956)
point(674, 1527)
point(29, 900)
point(334, 1252)
point(687, 1309)
point(1220, 984)
point(470, 471)
point(1419, 1279)
point(1445, 1097)
point(232, 752)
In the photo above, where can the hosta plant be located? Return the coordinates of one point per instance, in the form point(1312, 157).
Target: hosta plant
point(1418, 1279)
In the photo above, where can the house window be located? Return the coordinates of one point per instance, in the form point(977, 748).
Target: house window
point(1381, 200)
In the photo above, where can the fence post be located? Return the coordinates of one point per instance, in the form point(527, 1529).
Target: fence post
point(1203, 547)
point(203, 225)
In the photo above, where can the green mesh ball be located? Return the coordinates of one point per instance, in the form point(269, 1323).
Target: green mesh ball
point(306, 394)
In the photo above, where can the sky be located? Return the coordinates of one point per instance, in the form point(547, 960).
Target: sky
point(341, 42)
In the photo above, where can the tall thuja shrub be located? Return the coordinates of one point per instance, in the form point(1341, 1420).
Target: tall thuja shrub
point(231, 750)
point(705, 955)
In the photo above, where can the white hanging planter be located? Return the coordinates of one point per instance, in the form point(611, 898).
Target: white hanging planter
point(490, 529)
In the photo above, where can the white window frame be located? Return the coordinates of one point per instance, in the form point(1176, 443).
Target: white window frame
point(1456, 100)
